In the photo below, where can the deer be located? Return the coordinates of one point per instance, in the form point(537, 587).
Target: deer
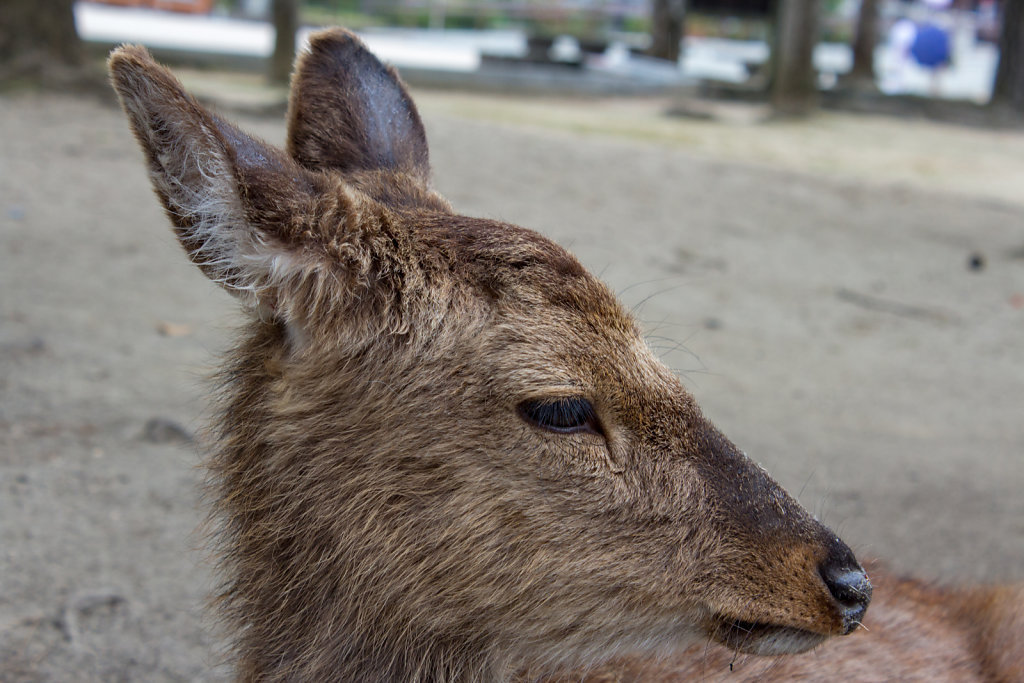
point(445, 452)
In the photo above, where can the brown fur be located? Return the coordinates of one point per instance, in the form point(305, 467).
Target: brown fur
point(914, 632)
point(386, 512)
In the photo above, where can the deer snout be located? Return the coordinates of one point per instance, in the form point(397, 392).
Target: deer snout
point(848, 584)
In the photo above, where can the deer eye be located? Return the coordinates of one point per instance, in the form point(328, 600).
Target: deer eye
point(562, 416)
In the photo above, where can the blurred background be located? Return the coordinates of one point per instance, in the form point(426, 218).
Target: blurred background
point(939, 48)
point(814, 207)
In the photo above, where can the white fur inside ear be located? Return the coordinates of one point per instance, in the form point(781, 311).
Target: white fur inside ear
point(201, 189)
point(194, 160)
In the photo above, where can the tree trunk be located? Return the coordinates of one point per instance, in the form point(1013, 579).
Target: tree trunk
point(667, 28)
point(286, 23)
point(793, 87)
point(864, 42)
point(1008, 90)
point(37, 36)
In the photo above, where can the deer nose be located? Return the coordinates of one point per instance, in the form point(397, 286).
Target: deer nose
point(849, 585)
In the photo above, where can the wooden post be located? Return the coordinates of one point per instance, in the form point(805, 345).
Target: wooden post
point(286, 23)
point(864, 42)
point(793, 87)
point(1008, 89)
point(36, 35)
point(667, 20)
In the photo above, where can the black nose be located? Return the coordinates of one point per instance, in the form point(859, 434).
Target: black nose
point(848, 583)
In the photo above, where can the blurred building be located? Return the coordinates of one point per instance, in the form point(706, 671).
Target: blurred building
point(189, 6)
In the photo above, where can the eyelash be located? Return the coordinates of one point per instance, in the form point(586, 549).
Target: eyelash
point(562, 416)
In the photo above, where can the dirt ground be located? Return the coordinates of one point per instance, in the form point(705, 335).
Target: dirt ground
point(811, 284)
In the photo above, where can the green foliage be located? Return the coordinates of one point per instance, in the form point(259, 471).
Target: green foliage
point(534, 18)
point(736, 28)
point(321, 15)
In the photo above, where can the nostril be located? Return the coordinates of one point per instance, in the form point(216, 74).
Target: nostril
point(850, 587)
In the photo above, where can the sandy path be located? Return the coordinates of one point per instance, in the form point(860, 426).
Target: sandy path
point(830, 327)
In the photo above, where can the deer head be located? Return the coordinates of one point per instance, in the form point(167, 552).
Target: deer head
point(445, 450)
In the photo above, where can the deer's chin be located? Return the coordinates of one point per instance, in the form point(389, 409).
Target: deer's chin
point(758, 638)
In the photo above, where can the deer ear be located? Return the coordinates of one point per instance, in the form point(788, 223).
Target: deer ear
point(348, 112)
point(239, 206)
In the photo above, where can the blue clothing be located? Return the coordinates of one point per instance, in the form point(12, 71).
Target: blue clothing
point(931, 46)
